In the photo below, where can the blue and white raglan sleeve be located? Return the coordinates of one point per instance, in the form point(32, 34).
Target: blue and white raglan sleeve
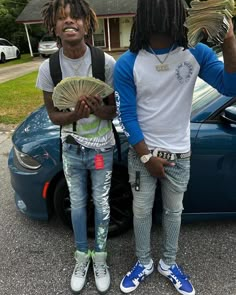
point(125, 93)
point(212, 70)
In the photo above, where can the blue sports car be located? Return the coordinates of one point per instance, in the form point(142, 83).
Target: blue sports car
point(40, 188)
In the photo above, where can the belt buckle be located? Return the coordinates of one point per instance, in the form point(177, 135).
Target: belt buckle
point(164, 155)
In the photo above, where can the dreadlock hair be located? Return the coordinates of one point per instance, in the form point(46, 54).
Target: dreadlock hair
point(158, 16)
point(79, 9)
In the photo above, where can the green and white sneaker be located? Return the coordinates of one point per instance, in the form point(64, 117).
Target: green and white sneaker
point(101, 272)
point(78, 278)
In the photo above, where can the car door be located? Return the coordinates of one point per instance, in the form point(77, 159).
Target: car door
point(9, 49)
point(213, 168)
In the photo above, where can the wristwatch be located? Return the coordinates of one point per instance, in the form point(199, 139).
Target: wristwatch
point(145, 158)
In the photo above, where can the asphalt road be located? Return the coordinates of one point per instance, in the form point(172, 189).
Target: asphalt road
point(37, 257)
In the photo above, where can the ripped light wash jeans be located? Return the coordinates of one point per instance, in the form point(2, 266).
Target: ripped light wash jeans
point(173, 188)
point(76, 166)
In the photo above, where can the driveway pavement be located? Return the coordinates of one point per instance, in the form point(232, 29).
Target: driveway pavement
point(14, 71)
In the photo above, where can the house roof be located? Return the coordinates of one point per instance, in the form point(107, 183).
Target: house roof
point(103, 8)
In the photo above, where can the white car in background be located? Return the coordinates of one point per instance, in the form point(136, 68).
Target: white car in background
point(47, 46)
point(8, 50)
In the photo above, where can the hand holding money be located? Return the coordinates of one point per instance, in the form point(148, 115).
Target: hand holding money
point(211, 18)
point(67, 93)
point(94, 103)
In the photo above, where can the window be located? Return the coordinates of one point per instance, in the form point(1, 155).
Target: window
point(98, 36)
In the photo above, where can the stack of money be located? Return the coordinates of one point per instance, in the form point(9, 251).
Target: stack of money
point(67, 93)
point(209, 19)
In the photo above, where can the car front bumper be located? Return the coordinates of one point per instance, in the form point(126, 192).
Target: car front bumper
point(47, 51)
point(28, 189)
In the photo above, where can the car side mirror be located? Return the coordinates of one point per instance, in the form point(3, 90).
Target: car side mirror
point(230, 114)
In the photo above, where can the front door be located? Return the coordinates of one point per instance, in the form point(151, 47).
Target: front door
point(114, 32)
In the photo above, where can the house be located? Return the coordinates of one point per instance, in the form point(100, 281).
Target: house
point(115, 19)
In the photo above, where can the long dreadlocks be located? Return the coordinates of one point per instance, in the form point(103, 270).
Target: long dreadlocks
point(79, 9)
point(158, 16)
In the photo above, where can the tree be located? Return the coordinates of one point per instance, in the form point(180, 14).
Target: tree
point(14, 32)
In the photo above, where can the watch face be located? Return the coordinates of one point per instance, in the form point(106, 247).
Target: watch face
point(145, 158)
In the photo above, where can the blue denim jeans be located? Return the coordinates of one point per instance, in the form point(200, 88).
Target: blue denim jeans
point(76, 164)
point(173, 187)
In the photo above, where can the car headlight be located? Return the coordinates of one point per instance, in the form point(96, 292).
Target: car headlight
point(26, 161)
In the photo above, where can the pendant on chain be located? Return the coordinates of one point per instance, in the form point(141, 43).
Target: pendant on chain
point(162, 67)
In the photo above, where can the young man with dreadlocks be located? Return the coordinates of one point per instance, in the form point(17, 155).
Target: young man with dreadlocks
point(87, 147)
point(154, 84)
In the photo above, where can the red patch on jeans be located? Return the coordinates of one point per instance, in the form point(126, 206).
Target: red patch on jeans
point(99, 162)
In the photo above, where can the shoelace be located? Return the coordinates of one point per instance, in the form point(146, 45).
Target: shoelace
point(100, 269)
point(80, 269)
point(178, 273)
point(134, 275)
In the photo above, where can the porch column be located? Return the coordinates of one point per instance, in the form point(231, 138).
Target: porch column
point(28, 38)
point(108, 35)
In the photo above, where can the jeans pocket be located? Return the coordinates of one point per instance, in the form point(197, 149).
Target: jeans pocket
point(66, 147)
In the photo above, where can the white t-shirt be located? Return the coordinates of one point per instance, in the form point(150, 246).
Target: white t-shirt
point(81, 67)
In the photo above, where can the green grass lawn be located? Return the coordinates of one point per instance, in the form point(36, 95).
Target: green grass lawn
point(18, 98)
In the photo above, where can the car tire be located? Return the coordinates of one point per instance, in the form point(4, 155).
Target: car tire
point(120, 204)
point(18, 55)
point(3, 58)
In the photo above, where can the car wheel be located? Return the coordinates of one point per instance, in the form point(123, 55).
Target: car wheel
point(3, 58)
point(120, 204)
point(18, 55)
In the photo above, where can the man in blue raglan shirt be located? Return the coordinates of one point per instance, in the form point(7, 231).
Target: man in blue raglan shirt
point(154, 83)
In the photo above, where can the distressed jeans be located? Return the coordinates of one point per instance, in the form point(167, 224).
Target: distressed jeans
point(173, 187)
point(76, 163)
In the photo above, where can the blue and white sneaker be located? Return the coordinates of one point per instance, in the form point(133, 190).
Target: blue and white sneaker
point(134, 277)
point(178, 279)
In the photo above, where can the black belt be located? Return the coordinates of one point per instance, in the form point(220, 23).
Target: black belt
point(170, 156)
point(70, 139)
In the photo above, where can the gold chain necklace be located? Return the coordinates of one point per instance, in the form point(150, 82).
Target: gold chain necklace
point(162, 66)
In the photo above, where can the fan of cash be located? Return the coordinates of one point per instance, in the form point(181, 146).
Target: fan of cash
point(211, 15)
point(67, 93)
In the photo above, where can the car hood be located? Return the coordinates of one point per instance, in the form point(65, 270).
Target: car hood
point(38, 137)
point(36, 131)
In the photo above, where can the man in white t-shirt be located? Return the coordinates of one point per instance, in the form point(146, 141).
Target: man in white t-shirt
point(87, 136)
point(154, 83)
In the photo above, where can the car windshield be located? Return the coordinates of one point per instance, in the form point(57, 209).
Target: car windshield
point(203, 95)
point(47, 38)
